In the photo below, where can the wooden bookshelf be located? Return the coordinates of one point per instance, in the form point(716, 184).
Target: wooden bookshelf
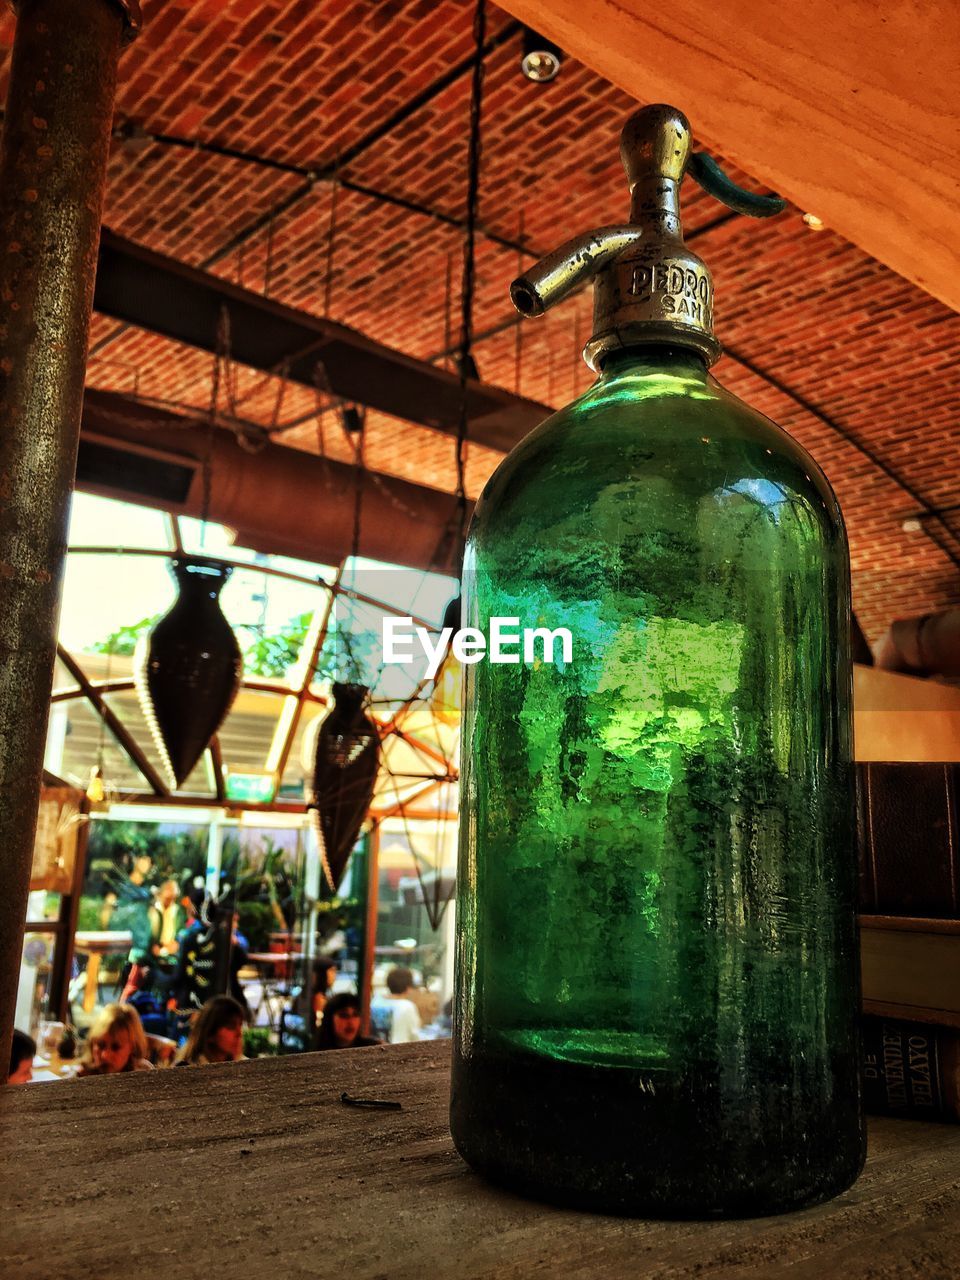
point(902, 718)
point(257, 1169)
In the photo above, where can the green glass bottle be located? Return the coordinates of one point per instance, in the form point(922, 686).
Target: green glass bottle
point(657, 968)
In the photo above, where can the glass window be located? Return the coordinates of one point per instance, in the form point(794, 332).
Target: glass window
point(126, 707)
point(76, 739)
point(63, 681)
point(299, 767)
point(207, 538)
point(99, 522)
point(35, 966)
point(411, 590)
point(272, 619)
point(109, 600)
point(248, 731)
point(42, 905)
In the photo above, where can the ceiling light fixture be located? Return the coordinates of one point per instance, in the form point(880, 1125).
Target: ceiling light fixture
point(813, 222)
point(97, 791)
point(541, 59)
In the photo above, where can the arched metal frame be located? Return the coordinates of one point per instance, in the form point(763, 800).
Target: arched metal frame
point(296, 697)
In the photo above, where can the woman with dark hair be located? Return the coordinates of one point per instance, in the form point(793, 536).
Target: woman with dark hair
point(22, 1049)
point(340, 1028)
point(297, 1032)
point(216, 1035)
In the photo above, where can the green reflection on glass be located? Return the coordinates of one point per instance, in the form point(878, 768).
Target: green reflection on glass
point(657, 874)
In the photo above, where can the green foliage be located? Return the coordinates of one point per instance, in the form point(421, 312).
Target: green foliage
point(338, 913)
point(258, 1042)
point(272, 655)
point(177, 856)
point(269, 887)
point(257, 922)
point(345, 655)
point(88, 917)
point(123, 641)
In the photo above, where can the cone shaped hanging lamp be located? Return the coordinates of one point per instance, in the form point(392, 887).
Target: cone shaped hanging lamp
point(188, 669)
point(344, 775)
point(448, 682)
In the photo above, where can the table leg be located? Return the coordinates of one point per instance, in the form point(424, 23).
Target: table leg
point(268, 994)
point(90, 990)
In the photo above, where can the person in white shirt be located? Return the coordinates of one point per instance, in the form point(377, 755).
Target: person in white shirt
point(394, 1017)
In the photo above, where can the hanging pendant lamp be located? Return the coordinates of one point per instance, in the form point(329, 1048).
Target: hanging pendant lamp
point(189, 668)
point(344, 775)
point(448, 682)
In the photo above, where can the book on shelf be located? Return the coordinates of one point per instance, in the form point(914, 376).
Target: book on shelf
point(910, 1069)
point(908, 835)
point(910, 967)
point(908, 839)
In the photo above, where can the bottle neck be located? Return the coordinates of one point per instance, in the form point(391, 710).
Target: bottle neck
point(654, 358)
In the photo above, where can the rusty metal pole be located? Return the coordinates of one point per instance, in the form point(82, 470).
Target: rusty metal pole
point(53, 158)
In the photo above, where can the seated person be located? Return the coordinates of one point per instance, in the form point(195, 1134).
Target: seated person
point(115, 1043)
point(156, 970)
point(239, 949)
point(296, 1035)
point(203, 966)
point(21, 1058)
point(340, 1027)
point(427, 1002)
point(395, 1017)
point(216, 1034)
point(324, 976)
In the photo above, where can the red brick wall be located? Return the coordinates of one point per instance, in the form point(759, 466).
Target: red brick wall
point(303, 82)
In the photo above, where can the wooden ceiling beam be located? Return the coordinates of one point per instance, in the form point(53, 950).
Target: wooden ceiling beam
point(851, 111)
point(165, 296)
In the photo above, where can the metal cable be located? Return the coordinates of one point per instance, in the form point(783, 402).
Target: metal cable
point(929, 511)
point(469, 266)
point(331, 238)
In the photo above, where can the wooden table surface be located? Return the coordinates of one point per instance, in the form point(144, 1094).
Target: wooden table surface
point(256, 1170)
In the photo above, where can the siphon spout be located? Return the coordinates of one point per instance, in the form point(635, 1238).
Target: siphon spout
point(574, 264)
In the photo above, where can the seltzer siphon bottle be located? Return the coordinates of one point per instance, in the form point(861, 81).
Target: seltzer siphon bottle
point(657, 978)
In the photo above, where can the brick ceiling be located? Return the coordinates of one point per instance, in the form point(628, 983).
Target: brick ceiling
point(863, 363)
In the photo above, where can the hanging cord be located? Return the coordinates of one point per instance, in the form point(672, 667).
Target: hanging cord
point(354, 439)
point(322, 391)
point(469, 266)
point(231, 371)
point(102, 734)
point(223, 325)
point(518, 329)
point(357, 438)
point(321, 379)
point(268, 264)
point(321, 387)
point(283, 378)
point(447, 296)
point(331, 238)
point(206, 464)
